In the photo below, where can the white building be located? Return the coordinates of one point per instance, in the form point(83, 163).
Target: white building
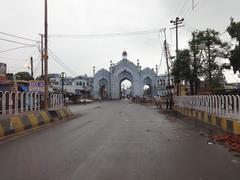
point(80, 85)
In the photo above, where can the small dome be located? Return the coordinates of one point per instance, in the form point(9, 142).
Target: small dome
point(124, 53)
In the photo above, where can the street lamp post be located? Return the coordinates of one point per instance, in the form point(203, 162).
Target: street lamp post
point(63, 74)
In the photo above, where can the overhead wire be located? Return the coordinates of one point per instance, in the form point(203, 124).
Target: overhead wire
point(182, 9)
point(16, 42)
point(60, 62)
point(7, 34)
point(151, 31)
point(16, 48)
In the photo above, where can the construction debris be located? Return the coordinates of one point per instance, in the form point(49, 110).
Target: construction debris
point(230, 141)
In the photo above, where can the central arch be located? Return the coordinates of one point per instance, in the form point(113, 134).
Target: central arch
point(126, 89)
point(124, 75)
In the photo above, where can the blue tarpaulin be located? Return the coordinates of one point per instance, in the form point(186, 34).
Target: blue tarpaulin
point(24, 88)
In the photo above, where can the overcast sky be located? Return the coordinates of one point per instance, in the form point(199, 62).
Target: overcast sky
point(84, 17)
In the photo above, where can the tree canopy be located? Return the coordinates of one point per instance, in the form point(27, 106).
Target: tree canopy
point(23, 75)
point(234, 57)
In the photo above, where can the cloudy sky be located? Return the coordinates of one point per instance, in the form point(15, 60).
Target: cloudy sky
point(75, 26)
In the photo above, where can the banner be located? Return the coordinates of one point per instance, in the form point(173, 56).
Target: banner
point(36, 86)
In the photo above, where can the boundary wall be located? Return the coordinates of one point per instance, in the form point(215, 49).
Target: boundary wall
point(220, 111)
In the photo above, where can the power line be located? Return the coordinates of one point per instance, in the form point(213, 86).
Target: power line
point(183, 6)
point(16, 48)
point(107, 34)
point(16, 42)
point(60, 62)
point(62, 65)
point(11, 59)
point(7, 34)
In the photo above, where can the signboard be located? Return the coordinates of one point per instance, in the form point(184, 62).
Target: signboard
point(3, 77)
point(3, 68)
point(36, 86)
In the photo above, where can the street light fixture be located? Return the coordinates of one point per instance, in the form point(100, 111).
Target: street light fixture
point(63, 74)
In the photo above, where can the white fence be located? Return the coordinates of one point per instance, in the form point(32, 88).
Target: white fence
point(56, 101)
point(221, 105)
point(17, 102)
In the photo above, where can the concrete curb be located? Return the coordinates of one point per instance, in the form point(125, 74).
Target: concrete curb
point(227, 124)
point(19, 123)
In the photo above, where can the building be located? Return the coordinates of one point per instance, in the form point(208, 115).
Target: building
point(80, 85)
point(107, 83)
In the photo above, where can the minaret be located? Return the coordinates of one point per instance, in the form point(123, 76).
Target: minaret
point(124, 54)
point(93, 71)
point(138, 65)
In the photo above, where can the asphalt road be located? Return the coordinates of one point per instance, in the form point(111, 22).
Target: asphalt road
point(116, 141)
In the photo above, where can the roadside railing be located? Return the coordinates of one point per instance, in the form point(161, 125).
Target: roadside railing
point(221, 105)
point(18, 102)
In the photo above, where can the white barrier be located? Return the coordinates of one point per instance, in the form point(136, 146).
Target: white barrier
point(221, 105)
point(56, 101)
point(16, 102)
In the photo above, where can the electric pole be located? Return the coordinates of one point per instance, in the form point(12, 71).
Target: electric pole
point(31, 62)
point(42, 55)
point(62, 77)
point(169, 98)
point(176, 24)
point(46, 57)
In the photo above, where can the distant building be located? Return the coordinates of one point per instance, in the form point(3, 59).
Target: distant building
point(80, 85)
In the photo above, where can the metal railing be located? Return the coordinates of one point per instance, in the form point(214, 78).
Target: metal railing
point(56, 101)
point(221, 105)
point(18, 102)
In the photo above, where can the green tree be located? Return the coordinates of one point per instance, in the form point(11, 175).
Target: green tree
point(182, 68)
point(234, 57)
point(209, 50)
point(24, 76)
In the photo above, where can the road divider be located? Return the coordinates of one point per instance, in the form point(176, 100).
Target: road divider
point(19, 123)
point(231, 125)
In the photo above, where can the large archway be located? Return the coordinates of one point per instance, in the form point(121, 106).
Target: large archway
point(147, 90)
point(147, 86)
point(125, 84)
point(126, 70)
point(126, 89)
point(103, 90)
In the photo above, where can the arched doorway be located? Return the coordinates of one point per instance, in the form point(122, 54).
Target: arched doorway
point(147, 90)
point(147, 86)
point(126, 89)
point(125, 84)
point(103, 90)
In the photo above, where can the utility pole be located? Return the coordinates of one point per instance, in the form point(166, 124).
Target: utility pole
point(46, 57)
point(42, 60)
point(169, 98)
point(176, 23)
point(31, 62)
point(62, 78)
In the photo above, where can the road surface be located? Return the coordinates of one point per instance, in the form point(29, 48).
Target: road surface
point(116, 140)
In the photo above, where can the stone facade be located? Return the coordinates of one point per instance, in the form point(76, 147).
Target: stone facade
point(107, 84)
